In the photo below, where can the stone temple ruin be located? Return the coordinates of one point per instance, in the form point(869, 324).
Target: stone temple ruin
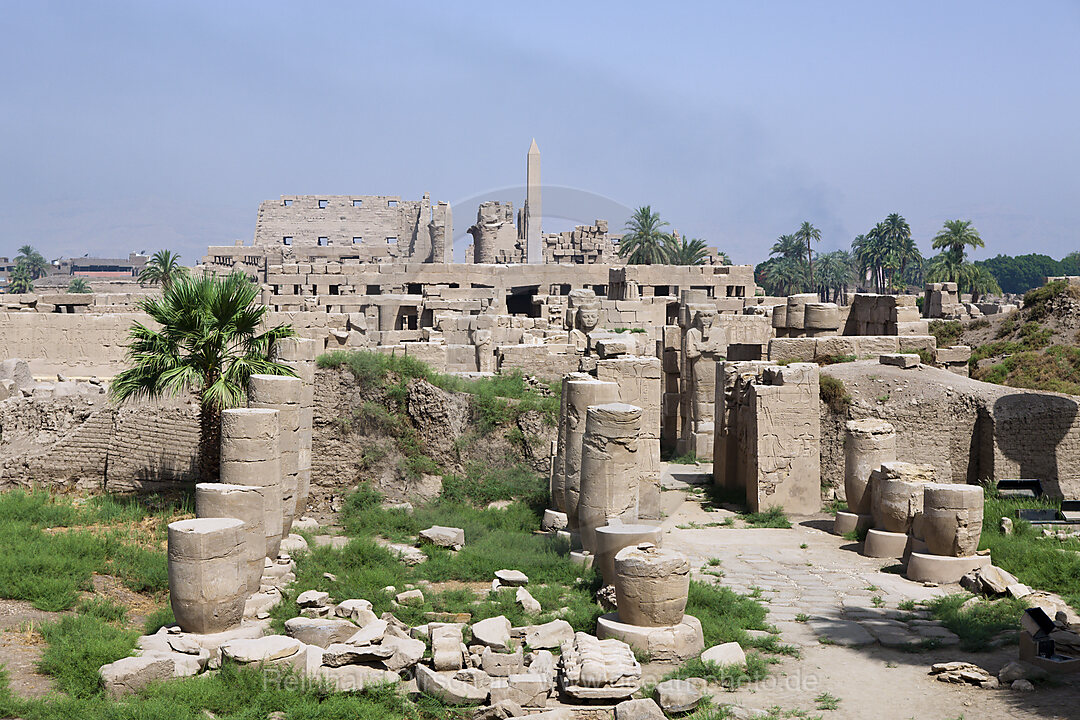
point(653, 361)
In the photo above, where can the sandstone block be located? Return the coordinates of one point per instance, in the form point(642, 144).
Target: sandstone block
point(651, 585)
point(131, 674)
point(208, 573)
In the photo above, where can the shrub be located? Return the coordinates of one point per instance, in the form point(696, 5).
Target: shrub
point(835, 359)
point(834, 394)
point(78, 646)
point(947, 332)
point(774, 517)
point(1038, 302)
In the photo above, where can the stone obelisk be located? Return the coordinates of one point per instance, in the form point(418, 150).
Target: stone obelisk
point(534, 243)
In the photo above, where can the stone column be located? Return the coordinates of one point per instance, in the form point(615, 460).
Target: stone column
point(299, 354)
point(897, 504)
point(610, 457)
point(580, 394)
point(282, 393)
point(952, 518)
point(246, 503)
point(867, 444)
point(558, 463)
point(612, 538)
point(207, 573)
point(250, 456)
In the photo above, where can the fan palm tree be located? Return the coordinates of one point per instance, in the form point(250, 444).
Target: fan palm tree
point(687, 251)
point(805, 234)
point(209, 342)
point(162, 269)
point(645, 242)
point(956, 236)
point(21, 280)
point(79, 285)
point(35, 263)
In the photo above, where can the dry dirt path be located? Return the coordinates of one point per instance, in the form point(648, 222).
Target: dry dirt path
point(847, 598)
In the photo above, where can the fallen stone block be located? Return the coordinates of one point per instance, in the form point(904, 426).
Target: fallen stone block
point(680, 696)
point(511, 578)
point(410, 597)
point(645, 709)
point(447, 689)
point(493, 632)
point(549, 635)
point(261, 650)
point(525, 689)
point(725, 654)
point(131, 674)
point(353, 678)
point(319, 631)
point(900, 360)
point(527, 602)
point(447, 537)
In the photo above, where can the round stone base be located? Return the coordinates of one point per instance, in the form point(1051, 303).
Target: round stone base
point(553, 520)
point(670, 643)
point(884, 544)
point(851, 522)
point(915, 545)
point(923, 567)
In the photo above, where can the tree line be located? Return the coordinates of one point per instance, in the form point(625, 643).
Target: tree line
point(30, 265)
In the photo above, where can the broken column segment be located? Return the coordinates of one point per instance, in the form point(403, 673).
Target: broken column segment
point(952, 517)
point(610, 453)
point(282, 393)
point(299, 354)
point(868, 443)
point(580, 394)
point(896, 504)
point(207, 573)
point(246, 503)
point(250, 456)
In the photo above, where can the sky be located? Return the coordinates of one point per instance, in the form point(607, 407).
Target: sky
point(130, 126)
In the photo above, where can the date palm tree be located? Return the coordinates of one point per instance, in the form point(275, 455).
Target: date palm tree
point(79, 285)
point(805, 234)
point(162, 269)
point(956, 237)
point(899, 247)
point(35, 263)
point(210, 343)
point(645, 242)
point(687, 251)
point(20, 280)
point(836, 271)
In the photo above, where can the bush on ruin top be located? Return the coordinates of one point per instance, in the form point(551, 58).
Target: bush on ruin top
point(834, 394)
point(1038, 302)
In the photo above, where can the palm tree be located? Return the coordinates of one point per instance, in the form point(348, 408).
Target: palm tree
point(805, 234)
point(784, 275)
point(645, 242)
point(979, 281)
point(723, 257)
point(687, 251)
point(209, 342)
point(956, 236)
point(163, 268)
point(788, 246)
point(79, 285)
point(836, 271)
point(944, 267)
point(899, 248)
point(868, 252)
point(21, 280)
point(35, 263)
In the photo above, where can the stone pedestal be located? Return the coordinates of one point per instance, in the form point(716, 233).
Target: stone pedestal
point(884, 544)
point(846, 522)
point(246, 503)
point(952, 518)
point(614, 537)
point(580, 394)
point(282, 393)
point(867, 444)
point(249, 456)
point(207, 573)
point(923, 567)
point(667, 643)
point(610, 477)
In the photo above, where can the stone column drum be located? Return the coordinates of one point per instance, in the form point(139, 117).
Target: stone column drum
point(897, 490)
point(250, 456)
point(243, 502)
point(282, 393)
point(952, 518)
point(299, 354)
point(613, 537)
point(651, 585)
point(610, 476)
point(207, 569)
point(867, 444)
point(580, 394)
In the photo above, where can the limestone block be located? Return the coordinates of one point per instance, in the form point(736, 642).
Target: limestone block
point(338, 654)
point(730, 653)
point(644, 709)
point(549, 635)
point(954, 354)
point(667, 643)
point(372, 631)
point(900, 360)
point(323, 632)
point(897, 494)
point(446, 646)
point(246, 503)
point(952, 518)
point(208, 571)
point(132, 674)
point(447, 537)
point(354, 678)
point(511, 578)
point(792, 349)
point(283, 394)
point(610, 479)
point(651, 585)
point(447, 689)
point(499, 664)
point(528, 603)
point(873, 345)
point(493, 632)
point(867, 444)
point(407, 651)
point(821, 316)
point(834, 346)
point(680, 696)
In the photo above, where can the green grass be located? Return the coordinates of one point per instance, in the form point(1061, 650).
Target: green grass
point(77, 646)
point(826, 701)
point(981, 624)
point(47, 559)
point(835, 359)
point(773, 517)
point(1033, 559)
point(947, 332)
point(689, 458)
point(729, 677)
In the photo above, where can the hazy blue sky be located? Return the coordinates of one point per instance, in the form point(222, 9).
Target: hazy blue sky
point(140, 125)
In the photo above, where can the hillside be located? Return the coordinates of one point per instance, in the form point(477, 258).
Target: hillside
point(1034, 348)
